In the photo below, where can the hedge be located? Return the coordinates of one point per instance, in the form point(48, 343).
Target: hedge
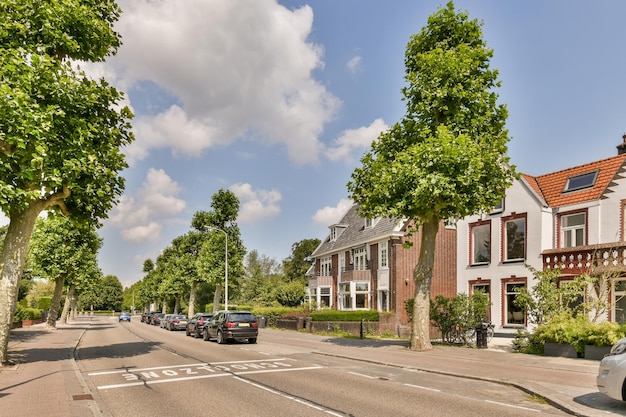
point(333, 315)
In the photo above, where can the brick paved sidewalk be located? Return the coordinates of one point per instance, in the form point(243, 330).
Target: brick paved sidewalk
point(43, 379)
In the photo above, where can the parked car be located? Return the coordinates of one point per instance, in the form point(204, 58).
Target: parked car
point(611, 378)
point(177, 322)
point(232, 325)
point(156, 318)
point(146, 316)
point(195, 326)
point(124, 316)
point(164, 320)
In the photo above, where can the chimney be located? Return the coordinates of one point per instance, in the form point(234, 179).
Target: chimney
point(621, 148)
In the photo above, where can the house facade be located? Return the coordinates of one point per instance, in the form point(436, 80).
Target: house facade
point(363, 264)
point(572, 219)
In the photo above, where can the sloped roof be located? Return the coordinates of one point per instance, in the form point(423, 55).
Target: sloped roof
point(551, 186)
point(355, 233)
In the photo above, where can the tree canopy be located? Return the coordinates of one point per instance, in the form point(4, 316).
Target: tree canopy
point(61, 132)
point(447, 157)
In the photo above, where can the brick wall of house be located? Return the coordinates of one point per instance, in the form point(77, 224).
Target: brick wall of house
point(404, 261)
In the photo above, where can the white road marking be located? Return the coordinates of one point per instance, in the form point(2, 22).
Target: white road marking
point(512, 406)
point(422, 387)
point(363, 375)
point(292, 398)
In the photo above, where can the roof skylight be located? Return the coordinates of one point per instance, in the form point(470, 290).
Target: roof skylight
point(579, 182)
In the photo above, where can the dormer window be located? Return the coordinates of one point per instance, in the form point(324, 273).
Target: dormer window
point(369, 223)
point(580, 182)
point(335, 231)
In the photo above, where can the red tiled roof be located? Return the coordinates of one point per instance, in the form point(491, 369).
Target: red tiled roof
point(550, 186)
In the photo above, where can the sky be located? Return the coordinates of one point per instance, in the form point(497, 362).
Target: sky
point(277, 101)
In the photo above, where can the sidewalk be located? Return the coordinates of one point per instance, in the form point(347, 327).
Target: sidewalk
point(43, 379)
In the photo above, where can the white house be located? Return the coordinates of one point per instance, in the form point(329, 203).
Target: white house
point(573, 218)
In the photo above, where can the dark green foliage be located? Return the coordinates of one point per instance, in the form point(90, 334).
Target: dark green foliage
point(44, 303)
point(26, 313)
point(334, 315)
point(463, 312)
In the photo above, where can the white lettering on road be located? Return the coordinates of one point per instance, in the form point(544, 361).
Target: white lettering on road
point(163, 374)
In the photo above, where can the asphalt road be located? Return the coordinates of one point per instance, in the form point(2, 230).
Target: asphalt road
point(134, 369)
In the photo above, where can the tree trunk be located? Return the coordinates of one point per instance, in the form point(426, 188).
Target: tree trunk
point(176, 303)
point(12, 263)
point(216, 298)
point(73, 301)
point(66, 306)
point(192, 299)
point(422, 276)
point(56, 302)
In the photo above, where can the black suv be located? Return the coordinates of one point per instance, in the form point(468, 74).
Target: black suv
point(196, 324)
point(232, 325)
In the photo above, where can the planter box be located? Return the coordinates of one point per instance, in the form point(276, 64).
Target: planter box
point(559, 349)
point(596, 352)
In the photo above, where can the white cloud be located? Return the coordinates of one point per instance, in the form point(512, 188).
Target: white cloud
point(256, 204)
point(235, 67)
point(139, 215)
point(354, 64)
point(332, 215)
point(353, 140)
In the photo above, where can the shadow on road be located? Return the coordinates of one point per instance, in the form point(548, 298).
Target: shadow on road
point(369, 343)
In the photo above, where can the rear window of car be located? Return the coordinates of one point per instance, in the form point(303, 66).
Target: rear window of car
point(241, 316)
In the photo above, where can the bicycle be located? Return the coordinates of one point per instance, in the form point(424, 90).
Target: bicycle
point(471, 333)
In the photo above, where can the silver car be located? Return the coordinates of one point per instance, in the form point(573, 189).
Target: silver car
point(611, 378)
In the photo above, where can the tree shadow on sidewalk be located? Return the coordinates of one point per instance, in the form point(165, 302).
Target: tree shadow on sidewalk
point(50, 354)
point(369, 343)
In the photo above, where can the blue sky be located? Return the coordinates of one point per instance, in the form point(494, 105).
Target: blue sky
point(278, 101)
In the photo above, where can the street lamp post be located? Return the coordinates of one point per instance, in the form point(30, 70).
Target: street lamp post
point(211, 228)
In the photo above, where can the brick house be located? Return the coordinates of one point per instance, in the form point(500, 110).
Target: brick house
point(362, 264)
point(573, 218)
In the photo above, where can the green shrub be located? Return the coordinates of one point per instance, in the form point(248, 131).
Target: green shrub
point(44, 303)
point(26, 313)
point(334, 315)
point(578, 332)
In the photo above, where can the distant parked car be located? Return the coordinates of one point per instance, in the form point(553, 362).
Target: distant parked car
point(124, 316)
point(611, 378)
point(147, 316)
point(232, 325)
point(163, 322)
point(177, 322)
point(155, 319)
point(196, 324)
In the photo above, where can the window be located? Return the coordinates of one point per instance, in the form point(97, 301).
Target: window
point(618, 305)
point(360, 258)
point(573, 230)
point(370, 223)
point(345, 297)
point(382, 255)
point(324, 297)
point(485, 287)
point(383, 300)
point(325, 266)
point(333, 234)
point(514, 315)
point(362, 295)
point(480, 243)
point(499, 208)
point(579, 182)
point(515, 238)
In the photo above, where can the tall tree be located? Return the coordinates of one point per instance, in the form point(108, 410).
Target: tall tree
point(60, 131)
point(64, 252)
point(447, 158)
point(221, 230)
point(296, 265)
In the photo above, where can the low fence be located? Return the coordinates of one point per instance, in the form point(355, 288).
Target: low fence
point(386, 326)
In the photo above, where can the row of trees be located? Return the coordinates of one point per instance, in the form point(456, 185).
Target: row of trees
point(193, 267)
point(61, 135)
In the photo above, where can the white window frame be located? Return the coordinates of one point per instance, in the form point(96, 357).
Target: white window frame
point(475, 245)
point(325, 292)
point(571, 233)
point(511, 318)
point(326, 264)
point(359, 259)
point(383, 255)
point(344, 296)
point(362, 290)
point(505, 249)
point(351, 292)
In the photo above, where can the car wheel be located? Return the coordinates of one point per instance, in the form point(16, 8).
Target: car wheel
point(220, 337)
point(205, 335)
point(252, 340)
point(187, 331)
